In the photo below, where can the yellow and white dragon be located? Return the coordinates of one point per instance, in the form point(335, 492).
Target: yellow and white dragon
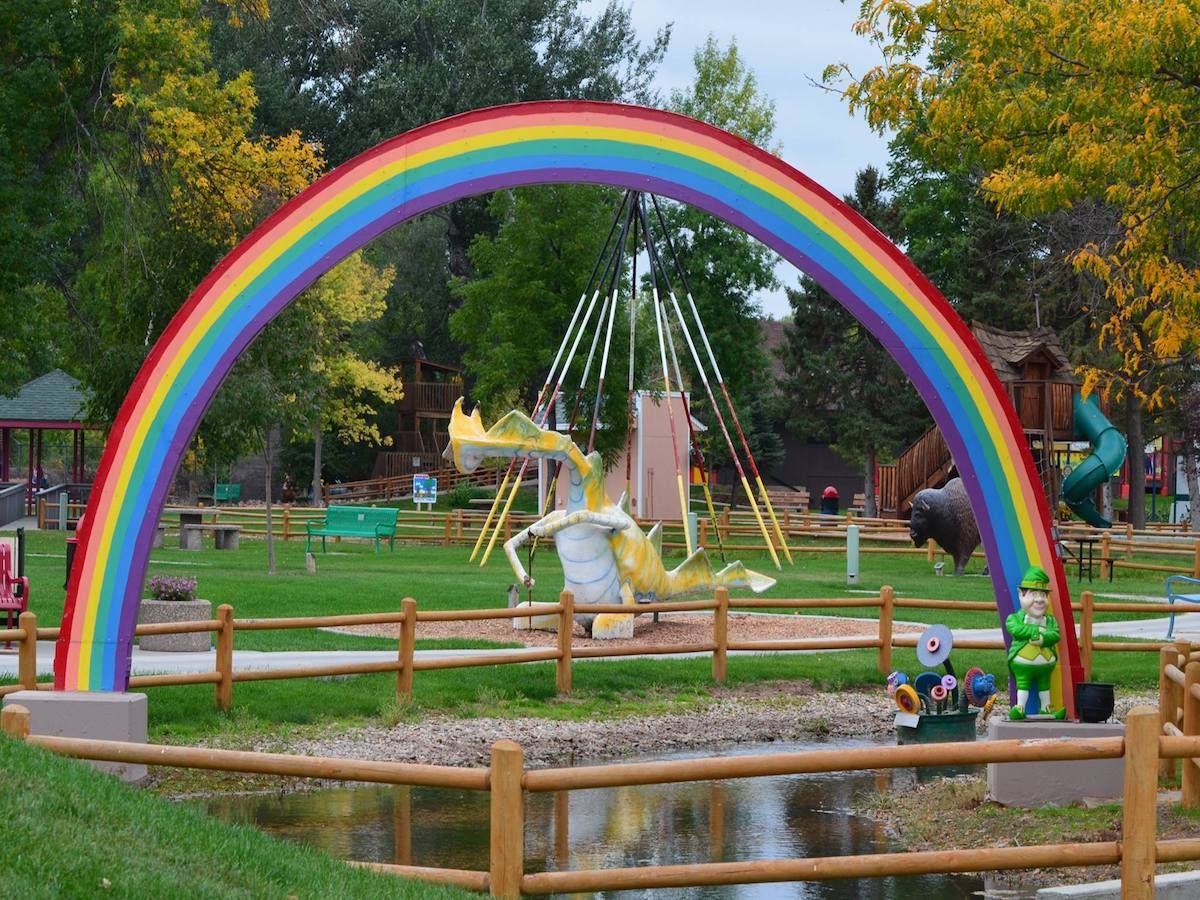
point(605, 556)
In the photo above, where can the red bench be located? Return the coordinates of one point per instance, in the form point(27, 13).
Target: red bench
point(14, 590)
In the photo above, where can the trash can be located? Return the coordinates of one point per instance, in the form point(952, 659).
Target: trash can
point(829, 501)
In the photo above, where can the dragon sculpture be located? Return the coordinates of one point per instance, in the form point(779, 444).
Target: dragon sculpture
point(605, 556)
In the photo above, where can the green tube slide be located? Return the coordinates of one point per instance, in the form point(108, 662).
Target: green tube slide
point(1108, 452)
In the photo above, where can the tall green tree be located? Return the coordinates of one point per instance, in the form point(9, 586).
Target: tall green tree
point(726, 268)
point(133, 168)
point(352, 73)
point(841, 385)
point(516, 311)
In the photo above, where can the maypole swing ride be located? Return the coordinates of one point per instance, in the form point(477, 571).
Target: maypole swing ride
point(604, 288)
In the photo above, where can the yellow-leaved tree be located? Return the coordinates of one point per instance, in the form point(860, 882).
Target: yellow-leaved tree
point(1065, 103)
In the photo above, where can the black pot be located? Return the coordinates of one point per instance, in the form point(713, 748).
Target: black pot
point(1094, 701)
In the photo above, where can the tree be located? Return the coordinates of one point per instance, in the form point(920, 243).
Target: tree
point(1066, 103)
point(136, 170)
point(725, 267)
point(515, 313)
point(302, 376)
point(841, 384)
point(352, 73)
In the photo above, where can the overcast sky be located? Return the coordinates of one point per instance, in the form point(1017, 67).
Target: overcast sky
point(786, 43)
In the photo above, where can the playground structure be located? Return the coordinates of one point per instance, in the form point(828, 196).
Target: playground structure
point(605, 556)
point(1040, 383)
point(507, 147)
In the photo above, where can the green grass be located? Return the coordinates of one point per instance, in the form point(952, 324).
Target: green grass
point(76, 833)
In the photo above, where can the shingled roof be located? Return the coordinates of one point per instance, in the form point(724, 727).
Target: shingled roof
point(55, 397)
point(1007, 351)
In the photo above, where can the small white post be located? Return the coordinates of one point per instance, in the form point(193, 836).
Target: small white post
point(851, 554)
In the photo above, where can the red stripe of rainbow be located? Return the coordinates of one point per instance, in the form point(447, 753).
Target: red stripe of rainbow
point(518, 145)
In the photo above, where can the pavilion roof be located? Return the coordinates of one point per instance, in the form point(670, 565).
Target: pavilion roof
point(53, 399)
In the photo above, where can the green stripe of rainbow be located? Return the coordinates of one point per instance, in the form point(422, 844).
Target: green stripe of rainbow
point(520, 145)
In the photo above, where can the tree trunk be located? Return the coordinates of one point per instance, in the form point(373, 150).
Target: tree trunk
point(1106, 506)
point(869, 509)
point(267, 496)
point(1191, 464)
point(1137, 465)
point(318, 495)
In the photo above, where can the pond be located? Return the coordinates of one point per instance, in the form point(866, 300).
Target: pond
point(746, 819)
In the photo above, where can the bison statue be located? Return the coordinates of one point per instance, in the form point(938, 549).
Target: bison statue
point(944, 514)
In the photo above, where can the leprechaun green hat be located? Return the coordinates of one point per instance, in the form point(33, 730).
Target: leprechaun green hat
point(1035, 579)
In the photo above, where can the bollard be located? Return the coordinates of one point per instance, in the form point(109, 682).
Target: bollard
point(64, 505)
point(851, 554)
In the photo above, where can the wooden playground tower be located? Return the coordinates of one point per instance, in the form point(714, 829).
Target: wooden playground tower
point(1041, 385)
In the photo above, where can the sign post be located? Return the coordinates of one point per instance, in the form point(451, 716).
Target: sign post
point(424, 491)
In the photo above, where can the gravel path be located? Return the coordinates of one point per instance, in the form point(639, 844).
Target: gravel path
point(763, 713)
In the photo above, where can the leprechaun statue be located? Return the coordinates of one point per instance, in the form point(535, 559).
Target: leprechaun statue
point(1031, 655)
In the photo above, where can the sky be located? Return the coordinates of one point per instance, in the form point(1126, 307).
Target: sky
point(787, 43)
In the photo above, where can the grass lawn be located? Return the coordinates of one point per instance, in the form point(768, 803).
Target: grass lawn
point(77, 833)
point(355, 579)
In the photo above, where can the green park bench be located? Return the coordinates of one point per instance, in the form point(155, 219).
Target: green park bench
point(354, 521)
point(222, 493)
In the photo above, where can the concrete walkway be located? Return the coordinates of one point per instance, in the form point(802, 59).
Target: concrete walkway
point(150, 662)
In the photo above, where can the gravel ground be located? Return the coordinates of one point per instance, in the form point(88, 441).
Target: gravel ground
point(672, 628)
point(764, 713)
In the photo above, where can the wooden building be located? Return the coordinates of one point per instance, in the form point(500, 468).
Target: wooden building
point(422, 418)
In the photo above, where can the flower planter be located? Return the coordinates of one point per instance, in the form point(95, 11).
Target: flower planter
point(152, 612)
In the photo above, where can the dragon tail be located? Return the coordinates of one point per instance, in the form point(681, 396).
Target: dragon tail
point(737, 575)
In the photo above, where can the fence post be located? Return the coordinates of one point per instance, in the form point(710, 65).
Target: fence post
point(458, 524)
point(1086, 613)
point(887, 598)
point(1191, 726)
point(507, 861)
point(408, 640)
point(720, 635)
point(225, 657)
point(1196, 560)
point(930, 550)
point(1166, 656)
point(566, 625)
point(1105, 556)
point(287, 523)
point(27, 653)
point(1129, 540)
point(1140, 807)
point(449, 528)
point(14, 721)
point(703, 537)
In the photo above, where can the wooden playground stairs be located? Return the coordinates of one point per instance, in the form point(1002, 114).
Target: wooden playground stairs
point(925, 463)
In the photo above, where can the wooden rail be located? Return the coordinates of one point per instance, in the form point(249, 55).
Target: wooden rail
point(408, 618)
point(508, 782)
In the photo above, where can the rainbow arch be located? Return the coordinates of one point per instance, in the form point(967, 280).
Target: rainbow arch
point(525, 144)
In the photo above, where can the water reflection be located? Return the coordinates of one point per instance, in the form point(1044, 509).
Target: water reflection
point(754, 818)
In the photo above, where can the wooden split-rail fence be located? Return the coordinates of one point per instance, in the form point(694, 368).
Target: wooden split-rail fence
point(225, 627)
point(738, 532)
point(1143, 748)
